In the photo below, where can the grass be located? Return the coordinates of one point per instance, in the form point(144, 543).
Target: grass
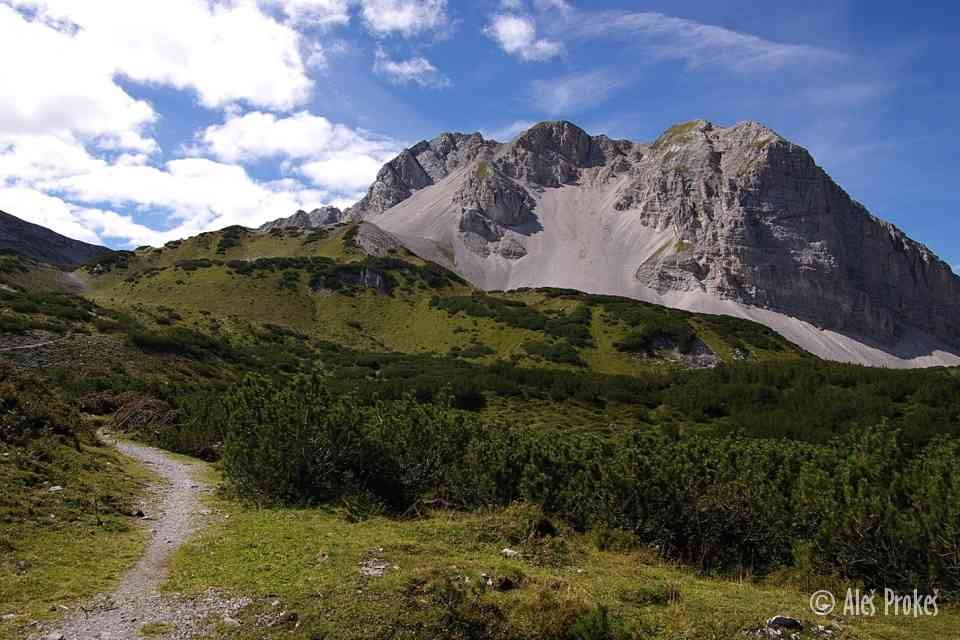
point(675, 134)
point(310, 560)
point(63, 547)
point(404, 321)
point(156, 629)
point(483, 169)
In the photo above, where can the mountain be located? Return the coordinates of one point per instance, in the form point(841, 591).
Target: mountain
point(43, 245)
point(303, 220)
point(733, 220)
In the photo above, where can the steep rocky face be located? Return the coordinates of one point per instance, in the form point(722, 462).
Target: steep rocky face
point(757, 221)
point(491, 205)
point(422, 165)
point(43, 245)
point(733, 214)
point(306, 220)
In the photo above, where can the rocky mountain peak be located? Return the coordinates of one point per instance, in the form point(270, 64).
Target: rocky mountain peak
point(306, 220)
point(553, 153)
point(422, 165)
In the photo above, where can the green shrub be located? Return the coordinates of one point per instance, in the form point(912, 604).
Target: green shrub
point(31, 410)
point(600, 624)
point(560, 352)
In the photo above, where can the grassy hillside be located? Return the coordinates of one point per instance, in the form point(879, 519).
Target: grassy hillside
point(273, 278)
point(445, 576)
point(67, 529)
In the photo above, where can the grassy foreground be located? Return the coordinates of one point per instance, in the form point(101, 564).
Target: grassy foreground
point(58, 548)
point(445, 575)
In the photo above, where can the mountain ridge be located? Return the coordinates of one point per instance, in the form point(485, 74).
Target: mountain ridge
point(44, 245)
point(716, 215)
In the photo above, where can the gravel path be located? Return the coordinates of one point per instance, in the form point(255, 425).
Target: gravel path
point(26, 347)
point(176, 510)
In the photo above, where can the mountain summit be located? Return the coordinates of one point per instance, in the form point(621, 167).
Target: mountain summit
point(734, 220)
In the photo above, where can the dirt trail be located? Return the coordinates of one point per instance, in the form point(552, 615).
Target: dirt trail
point(26, 347)
point(177, 511)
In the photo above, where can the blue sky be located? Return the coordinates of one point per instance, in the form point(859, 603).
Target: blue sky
point(136, 121)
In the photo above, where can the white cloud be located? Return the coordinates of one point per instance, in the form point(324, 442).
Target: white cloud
point(417, 70)
point(258, 135)
point(404, 17)
point(576, 91)
point(517, 35)
point(57, 183)
point(199, 194)
point(509, 132)
point(29, 158)
point(40, 208)
point(52, 86)
point(339, 159)
point(695, 43)
point(553, 5)
point(314, 12)
point(76, 152)
point(344, 172)
point(225, 52)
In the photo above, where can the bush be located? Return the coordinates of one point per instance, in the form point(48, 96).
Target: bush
point(559, 352)
point(720, 503)
point(599, 624)
point(30, 410)
point(178, 341)
point(657, 333)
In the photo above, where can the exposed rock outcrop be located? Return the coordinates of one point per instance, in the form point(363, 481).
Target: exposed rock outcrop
point(304, 220)
point(420, 166)
point(757, 221)
point(374, 241)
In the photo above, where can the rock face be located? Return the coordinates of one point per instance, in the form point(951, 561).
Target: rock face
point(420, 166)
point(491, 206)
point(728, 220)
point(43, 245)
point(757, 221)
point(302, 220)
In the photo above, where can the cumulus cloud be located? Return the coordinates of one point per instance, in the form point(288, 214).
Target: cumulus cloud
point(48, 211)
point(344, 172)
point(32, 158)
point(416, 70)
point(57, 183)
point(197, 193)
point(65, 89)
point(337, 158)
point(257, 135)
point(517, 35)
point(225, 52)
point(77, 152)
point(314, 12)
point(404, 17)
